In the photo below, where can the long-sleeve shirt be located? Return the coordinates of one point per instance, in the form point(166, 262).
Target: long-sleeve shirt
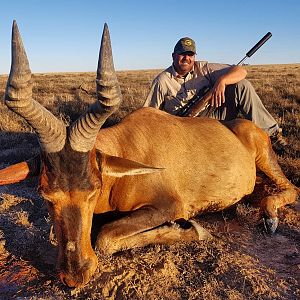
point(170, 91)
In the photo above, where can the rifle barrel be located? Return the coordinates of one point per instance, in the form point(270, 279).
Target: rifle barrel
point(256, 47)
point(258, 44)
point(242, 60)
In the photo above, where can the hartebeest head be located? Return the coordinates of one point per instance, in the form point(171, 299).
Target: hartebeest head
point(70, 179)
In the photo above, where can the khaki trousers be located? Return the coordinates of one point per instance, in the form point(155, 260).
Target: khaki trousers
point(242, 98)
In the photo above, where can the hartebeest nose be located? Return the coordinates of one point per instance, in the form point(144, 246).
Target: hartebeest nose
point(76, 280)
point(80, 277)
point(67, 280)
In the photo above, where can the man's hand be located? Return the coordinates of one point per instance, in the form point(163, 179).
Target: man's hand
point(218, 93)
point(216, 96)
point(234, 75)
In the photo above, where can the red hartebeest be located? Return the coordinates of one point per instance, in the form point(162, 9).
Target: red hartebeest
point(156, 167)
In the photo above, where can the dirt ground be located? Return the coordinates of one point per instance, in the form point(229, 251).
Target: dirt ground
point(242, 262)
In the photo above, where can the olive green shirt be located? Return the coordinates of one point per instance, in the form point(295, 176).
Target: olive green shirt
point(170, 91)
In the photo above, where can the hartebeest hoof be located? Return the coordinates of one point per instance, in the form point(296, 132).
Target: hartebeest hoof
point(203, 234)
point(270, 224)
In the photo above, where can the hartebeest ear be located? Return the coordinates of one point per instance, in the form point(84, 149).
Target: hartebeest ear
point(119, 167)
point(20, 171)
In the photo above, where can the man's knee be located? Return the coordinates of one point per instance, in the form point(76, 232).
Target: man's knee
point(246, 94)
point(245, 85)
point(242, 87)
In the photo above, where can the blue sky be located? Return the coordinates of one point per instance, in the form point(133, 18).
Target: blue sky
point(61, 36)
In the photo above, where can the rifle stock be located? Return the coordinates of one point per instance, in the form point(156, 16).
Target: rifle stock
point(200, 105)
point(196, 105)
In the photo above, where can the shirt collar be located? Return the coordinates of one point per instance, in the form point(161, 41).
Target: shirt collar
point(176, 75)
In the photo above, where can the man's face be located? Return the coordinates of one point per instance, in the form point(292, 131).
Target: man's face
point(183, 62)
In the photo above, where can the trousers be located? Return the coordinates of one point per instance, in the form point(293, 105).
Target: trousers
point(242, 98)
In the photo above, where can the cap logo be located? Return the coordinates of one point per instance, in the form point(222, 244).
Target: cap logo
point(188, 42)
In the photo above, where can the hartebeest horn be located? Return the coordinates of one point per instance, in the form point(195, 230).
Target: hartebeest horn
point(84, 131)
point(18, 97)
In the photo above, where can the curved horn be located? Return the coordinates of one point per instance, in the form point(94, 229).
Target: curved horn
point(84, 132)
point(18, 97)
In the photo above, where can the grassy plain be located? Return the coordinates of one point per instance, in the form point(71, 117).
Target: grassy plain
point(243, 263)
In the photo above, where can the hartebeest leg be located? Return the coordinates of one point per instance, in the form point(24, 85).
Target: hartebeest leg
point(267, 162)
point(144, 227)
point(258, 143)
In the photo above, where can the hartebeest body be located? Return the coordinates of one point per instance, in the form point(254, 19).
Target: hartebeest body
point(156, 167)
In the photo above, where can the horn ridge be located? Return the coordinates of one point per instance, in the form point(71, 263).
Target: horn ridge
point(108, 89)
point(18, 97)
point(83, 132)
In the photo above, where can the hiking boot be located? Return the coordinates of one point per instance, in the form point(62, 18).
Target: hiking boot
point(278, 141)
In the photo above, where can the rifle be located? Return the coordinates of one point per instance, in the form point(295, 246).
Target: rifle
point(201, 100)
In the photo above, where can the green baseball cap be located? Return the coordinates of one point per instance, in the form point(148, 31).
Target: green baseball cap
point(185, 44)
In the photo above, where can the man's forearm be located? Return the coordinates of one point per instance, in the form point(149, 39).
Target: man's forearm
point(234, 75)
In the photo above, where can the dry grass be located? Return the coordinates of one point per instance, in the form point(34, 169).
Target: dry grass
point(242, 263)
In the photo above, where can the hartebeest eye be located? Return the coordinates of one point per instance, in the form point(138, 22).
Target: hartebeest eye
point(50, 204)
